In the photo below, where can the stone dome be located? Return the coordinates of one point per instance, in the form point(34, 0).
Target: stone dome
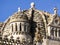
point(18, 16)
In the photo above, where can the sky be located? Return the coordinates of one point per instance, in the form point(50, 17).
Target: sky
point(9, 7)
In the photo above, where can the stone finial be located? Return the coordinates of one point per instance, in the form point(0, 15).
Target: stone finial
point(19, 9)
point(32, 5)
point(55, 10)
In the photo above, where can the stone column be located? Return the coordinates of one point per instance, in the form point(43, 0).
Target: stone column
point(49, 30)
point(26, 28)
point(22, 27)
point(57, 32)
point(54, 34)
point(18, 26)
point(11, 27)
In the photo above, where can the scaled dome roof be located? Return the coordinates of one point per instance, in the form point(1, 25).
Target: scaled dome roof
point(18, 16)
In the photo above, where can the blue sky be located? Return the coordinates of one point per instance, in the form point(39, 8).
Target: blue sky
point(8, 7)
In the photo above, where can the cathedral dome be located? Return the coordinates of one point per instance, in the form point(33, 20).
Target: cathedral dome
point(18, 16)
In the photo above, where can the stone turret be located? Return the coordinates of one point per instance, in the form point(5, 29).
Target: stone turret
point(55, 11)
point(18, 28)
point(32, 5)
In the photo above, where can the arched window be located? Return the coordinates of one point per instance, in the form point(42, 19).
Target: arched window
point(16, 26)
point(12, 27)
point(59, 33)
point(20, 26)
point(56, 33)
point(52, 32)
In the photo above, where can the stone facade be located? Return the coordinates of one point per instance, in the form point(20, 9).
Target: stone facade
point(31, 27)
